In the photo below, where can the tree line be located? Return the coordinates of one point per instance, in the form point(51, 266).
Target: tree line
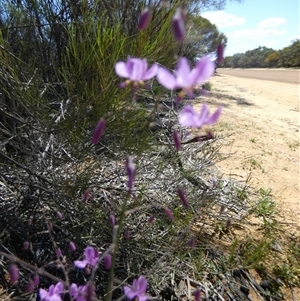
point(263, 57)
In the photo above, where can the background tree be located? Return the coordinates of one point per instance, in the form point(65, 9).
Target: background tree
point(263, 57)
point(202, 38)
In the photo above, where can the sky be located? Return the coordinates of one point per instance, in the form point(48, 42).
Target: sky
point(254, 23)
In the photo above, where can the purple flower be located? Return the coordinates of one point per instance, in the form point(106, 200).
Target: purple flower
point(78, 293)
point(144, 19)
point(13, 271)
point(99, 130)
point(178, 24)
point(188, 117)
point(138, 289)
point(177, 141)
point(53, 293)
point(136, 70)
point(130, 167)
point(184, 77)
point(90, 256)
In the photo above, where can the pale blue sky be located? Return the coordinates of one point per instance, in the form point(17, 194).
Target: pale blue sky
point(253, 23)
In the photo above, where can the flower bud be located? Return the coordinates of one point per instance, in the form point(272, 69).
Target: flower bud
point(220, 53)
point(30, 286)
point(107, 261)
point(182, 197)
point(144, 19)
point(112, 220)
point(58, 252)
point(177, 141)
point(178, 25)
point(130, 167)
point(26, 245)
point(98, 132)
point(169, 213)
point(13, 271)
point(72, 246)
point(36, 280)
point(59, 214)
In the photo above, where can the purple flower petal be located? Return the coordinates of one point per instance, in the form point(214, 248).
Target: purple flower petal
point(137, 68)
point(43, 294)
point(129, 293)
point(215, 116)
point(166, 78)
point(182, 71)
point(81, 263)
point(138, 289)
point(188, 117)
point(141, 284)
point(152, 71)
point(121, 69)
point(58, 288)
point(206, 69)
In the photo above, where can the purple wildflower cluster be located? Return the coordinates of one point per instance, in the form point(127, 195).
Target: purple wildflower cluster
point(137, 72)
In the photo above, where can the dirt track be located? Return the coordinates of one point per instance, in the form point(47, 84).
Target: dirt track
point(291, 76)
point(261, 120)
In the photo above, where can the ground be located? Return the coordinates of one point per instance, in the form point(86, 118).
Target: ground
point(259, 133)
point(261, 122)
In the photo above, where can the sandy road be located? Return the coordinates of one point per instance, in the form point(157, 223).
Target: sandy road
point(291, 76)
point(261, 120)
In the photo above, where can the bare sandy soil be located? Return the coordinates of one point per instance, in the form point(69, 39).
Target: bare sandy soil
point(260, 122)
point(291, 76)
